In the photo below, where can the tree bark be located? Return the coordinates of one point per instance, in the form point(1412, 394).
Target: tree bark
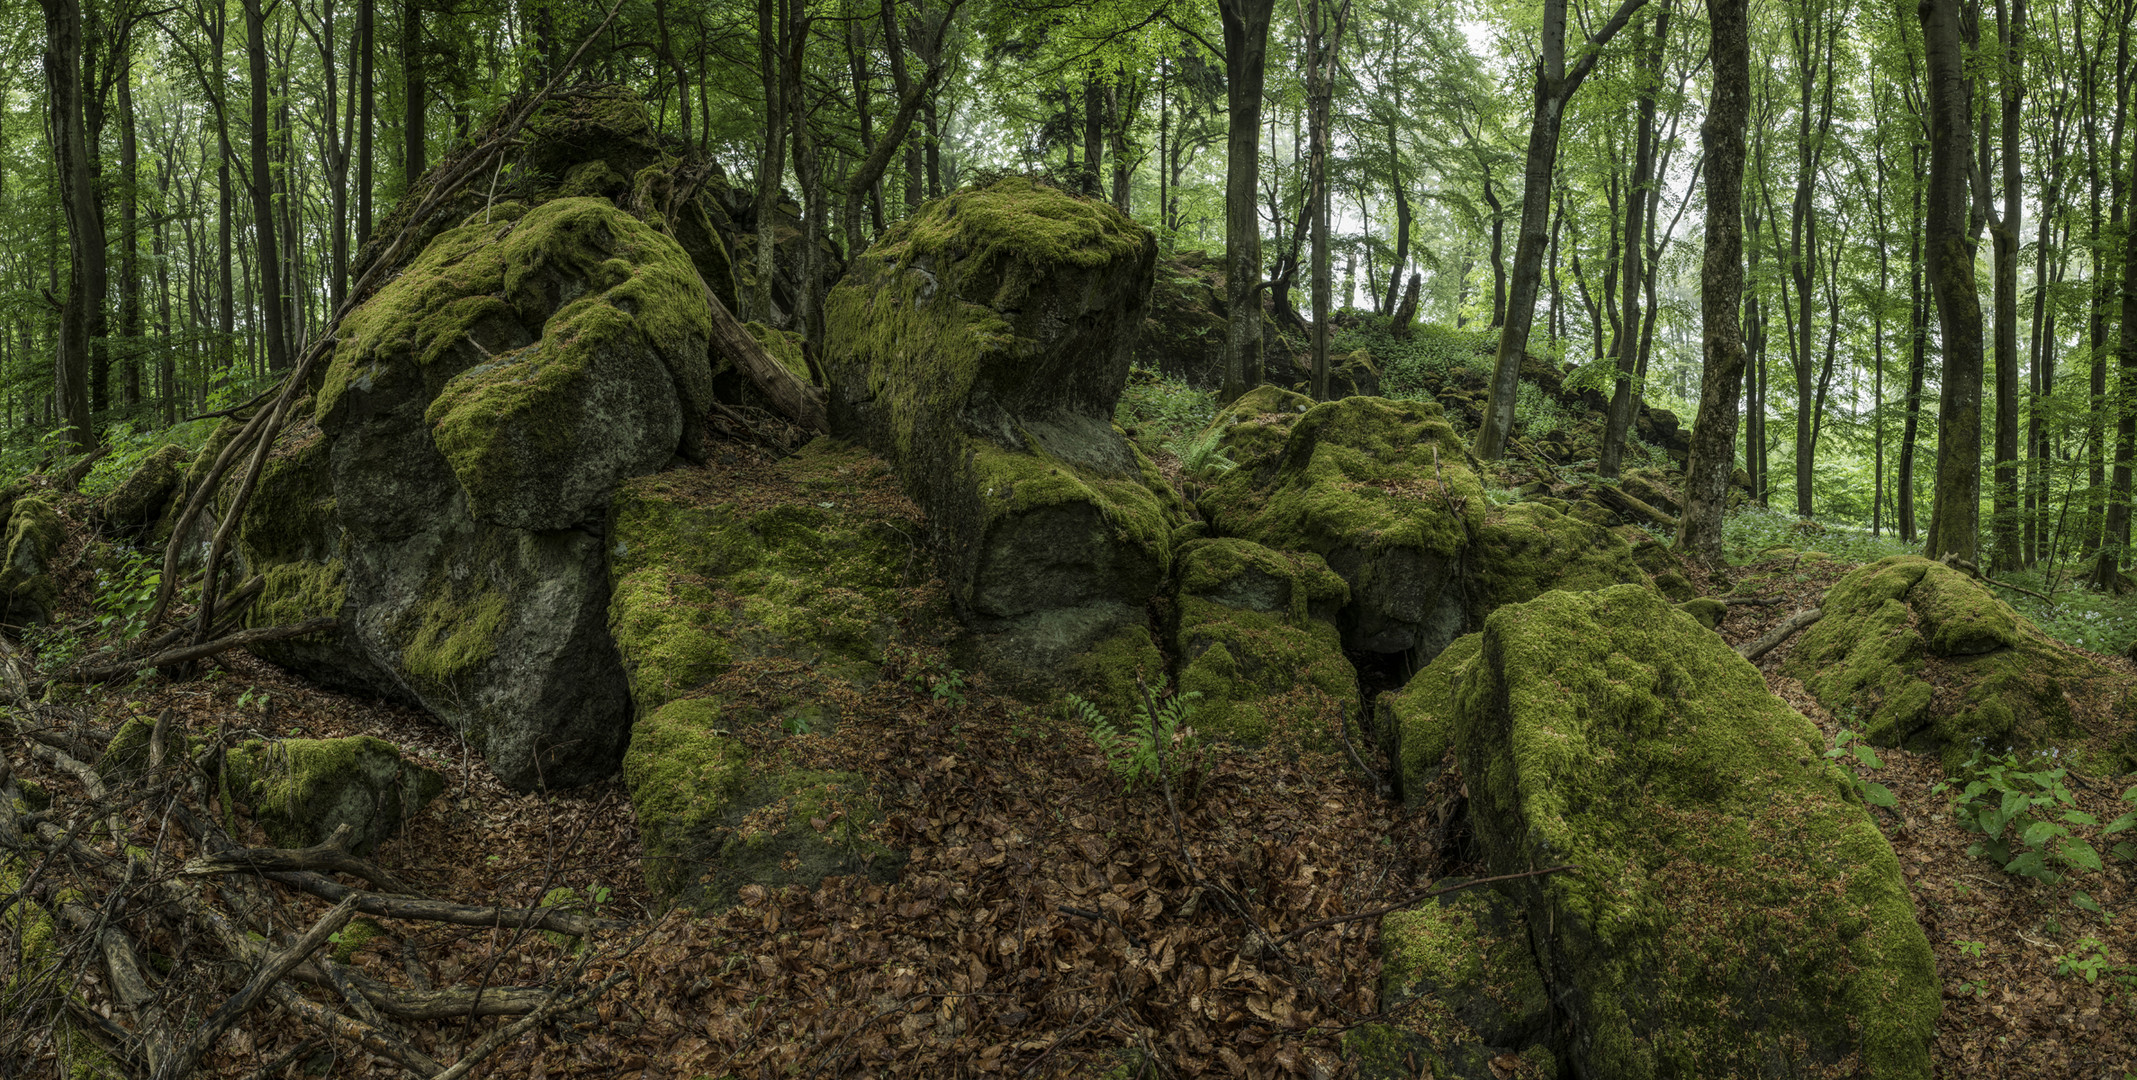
point(1618, 420)
point(1246, 43)
point(129, 234)
point(1706, 489)
point(1917, 360)
point(1954, 522)
point(1555, 85)
point(415, 95)
point(273, 304)
point(2004, 231)
point(80, 312)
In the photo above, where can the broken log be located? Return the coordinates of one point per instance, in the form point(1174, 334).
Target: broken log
point(1779, 634)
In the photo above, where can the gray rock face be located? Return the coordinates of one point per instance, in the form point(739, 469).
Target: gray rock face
point(980, 347)
point(33, 539)
point(478, 414)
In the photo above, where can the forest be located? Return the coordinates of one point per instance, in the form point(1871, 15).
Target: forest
point(1359, 538)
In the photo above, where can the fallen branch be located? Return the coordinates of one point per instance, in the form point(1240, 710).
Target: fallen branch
point(187, 653)
point(1380, 786)
point(555, 920)
point(329, 856)
point(370, 1038)
point(1752, 601)
point(1779, 634)
point(558, 1003)
point(181, 1064)
point(1624, 503)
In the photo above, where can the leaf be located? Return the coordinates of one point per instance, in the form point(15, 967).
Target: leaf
point(2033, 866)
point(2080, 854)
point(2119, 824)
point(1879, 795)
point(2086, 903)
point(1867, 756)
point(2039, 833)
point(2079, 817)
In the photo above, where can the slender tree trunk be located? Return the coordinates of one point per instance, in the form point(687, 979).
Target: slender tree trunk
point(2004, 232)
point(1618, 421)
point(1246, 41)
point(1326, 36)
point(85, 222)
point(415, 95)
point(1917, 358)
point(275, 311)
point(1954, 522)
point(365, 122)
point(129, 236)
point(1555, 85)
point(1402, 219)
point(771, 159)
point(1498, 252)
point(1721, 283)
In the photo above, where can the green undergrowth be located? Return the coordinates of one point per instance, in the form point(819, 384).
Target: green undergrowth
point(1747, 534)
point(1410, 369)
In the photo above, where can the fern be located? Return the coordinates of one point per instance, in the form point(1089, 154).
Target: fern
point(1141, 754)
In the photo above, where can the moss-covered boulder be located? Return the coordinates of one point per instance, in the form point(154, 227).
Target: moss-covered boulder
point(33, 539)
point(139, 500)
point(1185, 331)
point(1382, 491)
point(1417, 721)
point(1460, 974)
point(1254, 428)
point(712, 821)
point(1735, 912)
point(980, 347)
point(1530, 548)
point(1914, 653)
point(301, 790)
point(1257, 640)
point(815, 558)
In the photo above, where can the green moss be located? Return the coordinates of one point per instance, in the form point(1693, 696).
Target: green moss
point(683, 772)
point(424, 315)
point(27, 588)
point(301, 789)
point(783, 345)
point(1707, 610)
point(1419, 718)
point(797, 827)
point(1257, 424)
point(1007, 234)
point(296, 591)
point(1012, 485)
point(353, 938)
point(452, 638)
point(1106, 674)
point(1262, 674)
point(127, 753)
point(1735, 904)
point(1528, 549)
point(1896, 630)
point(139, 500)
point(1243, 574)
point(596, 178)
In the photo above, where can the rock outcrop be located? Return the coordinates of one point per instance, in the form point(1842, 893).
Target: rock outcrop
point(135, 505)
point(980, 347)
point(1257, 639)
point(1896, 631)
point(1461, 974)
point(33, 537)
point(1735, 912)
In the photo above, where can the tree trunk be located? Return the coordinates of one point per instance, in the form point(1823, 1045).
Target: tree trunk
point(85, 222)
point(274, 306)
point(1618, 421)
point(1917, 359)
point(129, 235)
point(771, 158)
point(415, 95)
point(1555, 85)
point(1246, 41)
point(1706, 490)
point(1954, 522)
point(2004, 233)
point(1402, 219)
point(1325, 37)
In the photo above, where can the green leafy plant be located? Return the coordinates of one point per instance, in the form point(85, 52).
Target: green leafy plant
point(1202, 453)
point(2089, 960)
point(2124, 848)
point(2023, 811)
point(1852, 753)
point(125, 593)
point(1157, 741)
point(929, 673)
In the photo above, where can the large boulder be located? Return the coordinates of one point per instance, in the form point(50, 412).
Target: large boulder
point(1735, 912)
point(33, 538)
point(1914, 653)
point(1416, 722)
point(1257, 639)
point(980, 347)
point(139, 500)
point(1185, 332)
point(1383, 492)
point(447, 496)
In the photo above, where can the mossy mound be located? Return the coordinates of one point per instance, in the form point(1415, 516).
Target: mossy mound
point(1914, 653)
point(1460, 973)
point(1255, 428)
point(1384, 493)
point(1256, 640)
point(33, 539)
point(980, 347)
point(713, 822)
point(815, 558)
point(1528, 549)
point(1418, 720)
point(139, 500)
point(300, 790)
point(1736, 912)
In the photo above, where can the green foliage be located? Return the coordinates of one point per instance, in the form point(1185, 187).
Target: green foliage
point(931, 674)
point(1202, 453)
point(2024, 811)
point(1163, 411)
point(125, 593)
point(1748, 532)
point(2101, 622)
point(1852, 753)
point(1411, 368)
point(131, 445)
point(1159, 745)
point(1537, 413)
point(2089, 959)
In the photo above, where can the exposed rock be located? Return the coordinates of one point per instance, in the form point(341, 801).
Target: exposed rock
point(1461, 974)
point(301, 790)
point(1736, 912)
point(139, 500)
point(479, 412)
point(1184, 335)
point(980, 346)
point(33, 539)
point(1257, 640)
point(1925, 657)
point(1358, 483)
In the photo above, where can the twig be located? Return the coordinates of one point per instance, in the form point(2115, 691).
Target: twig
point(1974, 571)
point(330, 856)
point(1380, 786)
point(1779, 634)
point(557, 1004)
point(358, 1032)
point(181, 1064)
point(1412, 900)
point(282, 1060)
point(192, 652)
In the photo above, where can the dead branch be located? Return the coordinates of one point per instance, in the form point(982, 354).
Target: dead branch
point(187, 653)
point(558, 1003)
point(1973, 571)
point(1380, 786)
point(181, 1064)
point(1779, 634)
point(356, 1031)
point(801, 402)
point(72, 478)
point(1625, 503)
point(330, 856)
point(1752, 601)
point(282, 1060)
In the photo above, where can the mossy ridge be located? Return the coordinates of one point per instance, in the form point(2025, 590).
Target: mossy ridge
point(1897, 629)
point(1419, 718)
point(1254, 428)
point(1002, 237)
point(1735, 906)
point(682, 772)
point(1011, 485)
point(1262, 676)
point(700, 580)
point(1528, 549)
point(427, 314)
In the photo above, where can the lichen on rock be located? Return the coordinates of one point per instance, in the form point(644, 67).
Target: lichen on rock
point(1736, 911)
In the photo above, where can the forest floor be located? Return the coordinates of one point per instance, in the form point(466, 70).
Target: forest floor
point(1047, 923)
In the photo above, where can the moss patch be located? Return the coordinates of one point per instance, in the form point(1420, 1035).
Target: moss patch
point(1919, 655)
point(139, 500)
point(1528, 549)
point(1419, 718)
point(27, 588)
point(1736, 907)
point(1459, 972)
point(301, 789)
